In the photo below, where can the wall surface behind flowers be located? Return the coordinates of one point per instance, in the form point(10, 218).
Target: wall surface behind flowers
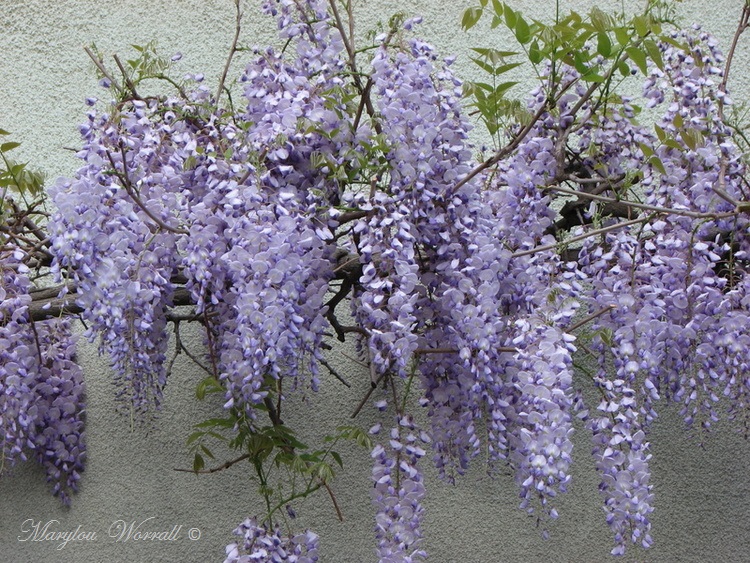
point(702, 494)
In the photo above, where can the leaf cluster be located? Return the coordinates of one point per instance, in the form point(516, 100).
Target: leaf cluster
point(16, 176)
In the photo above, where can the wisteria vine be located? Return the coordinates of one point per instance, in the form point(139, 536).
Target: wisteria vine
point(334, 174)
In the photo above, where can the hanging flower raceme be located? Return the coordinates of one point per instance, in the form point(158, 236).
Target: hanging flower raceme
point(398, 493)
point(672, 286)
point(42, 401)
point(261, 544)
point(115, 235)
point(458, 277)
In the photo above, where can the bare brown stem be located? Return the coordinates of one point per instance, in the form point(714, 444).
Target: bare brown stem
point(126, 183)
point(634, 205)
point(125, 77)
point(339, 515)
point(741, 27)
point(580, 237)
point(221, 467)
point(232, 50)
point(591, 317)
point(100, 65)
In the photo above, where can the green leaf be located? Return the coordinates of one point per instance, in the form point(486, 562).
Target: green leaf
point(505, 68)
point(200, 390)
point(498, 6)
point(502, 87)
point(592, 76)
point(325, 472)
point(638, 57)
point(216, 435)
point(535, 53)
point(579, 62)
point(190, 163)
point(488, 68)
point(4, 132)
point(656, 162)
point(653, 51)
point(510, 16)
point(622, 35)
point(471, 17)
point(5, 147)
point(484, 86)
point(221, 422)
point(599, 19)
point(194, 436)
point(337, 457)
point(660, 133)
point(207, 451)
point(641, 25)
point(493, 55)
point(691, 138)
point(673, 144)
point(603, 44)
point(198, 463)
point(523, 33)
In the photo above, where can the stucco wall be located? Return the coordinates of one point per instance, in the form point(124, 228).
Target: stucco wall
point(702, 495)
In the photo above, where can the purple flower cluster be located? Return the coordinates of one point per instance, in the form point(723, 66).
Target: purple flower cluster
point(41, 386)
point(439, 273)
point(261, 545)
point(459, 279)
point(171, 188)
point(277, 269)
point(17, 369)
point(59, 409)
point(675, 286)
point(398, 493)
point(119, 257)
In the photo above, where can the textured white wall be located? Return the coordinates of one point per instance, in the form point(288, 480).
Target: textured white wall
point(702, 495)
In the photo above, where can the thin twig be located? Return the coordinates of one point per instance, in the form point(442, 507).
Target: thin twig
point(580, 237)
point(374, 379)
point(343, 265)
point(367, 396)
point(102, 69)
point(181, 348)
point(333, 500)
point(232, 50)
point(177, 348)
point(334, 373)
point(591, 317)
point(644, 206)
point(353, 359)
point(125, 181)
point(505, 151)
point(222, 467)
point(125, 77)
point(741, 27)
point(348, 216)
